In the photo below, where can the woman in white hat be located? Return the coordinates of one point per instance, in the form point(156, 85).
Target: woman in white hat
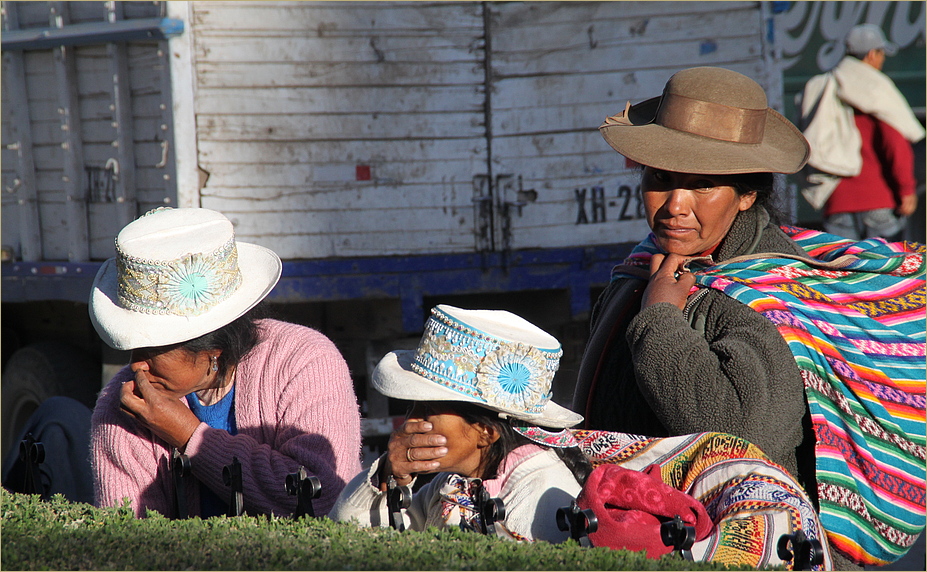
point(210, 379)
point(482, 417)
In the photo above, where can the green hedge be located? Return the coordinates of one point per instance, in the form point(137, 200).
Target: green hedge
point(59, 535)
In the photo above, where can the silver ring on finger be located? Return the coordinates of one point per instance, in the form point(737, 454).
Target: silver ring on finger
point(409, 455)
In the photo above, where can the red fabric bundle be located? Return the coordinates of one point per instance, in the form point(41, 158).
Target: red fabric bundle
point(631, 506)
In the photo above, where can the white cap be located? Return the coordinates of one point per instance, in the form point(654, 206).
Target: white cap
point(865, 37)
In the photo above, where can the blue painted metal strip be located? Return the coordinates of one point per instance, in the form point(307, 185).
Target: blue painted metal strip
point(91, 33)
point(406, 278)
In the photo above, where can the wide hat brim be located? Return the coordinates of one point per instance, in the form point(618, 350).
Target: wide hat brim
point(124, 329)
point(394, 378)
point(782, 150)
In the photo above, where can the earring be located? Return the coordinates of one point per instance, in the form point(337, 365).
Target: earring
point(215, 363)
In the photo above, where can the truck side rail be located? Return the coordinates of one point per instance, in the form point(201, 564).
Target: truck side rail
point(407, 278)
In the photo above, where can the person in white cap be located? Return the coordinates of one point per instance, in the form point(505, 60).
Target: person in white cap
point(208, 379)
point(860, 128)
point(482, 417)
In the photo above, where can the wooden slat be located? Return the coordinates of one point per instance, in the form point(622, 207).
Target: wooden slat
point(151, 180)
point(397, 231)
point(446, 195)
point(55, 237)
point(73, 178)
point(545, 15)
point(108, 219)
point(340, 126)
point(122, 109)
point(166, 167)
point(334, 19)
point(284, 153)
point(609, 90)
point(310, 176)
point(79, 12)
point(33, 15)
point(29, 237)
point(448, 48)
point(587, 235)
point(390, 243)
point(724, 51)
point(134, 10)
point(581, 28)
point(330, 99)
point(334, 74)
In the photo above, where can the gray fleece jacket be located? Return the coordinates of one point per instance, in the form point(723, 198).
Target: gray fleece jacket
point(651, 372)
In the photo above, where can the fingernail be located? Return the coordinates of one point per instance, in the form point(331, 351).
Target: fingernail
point(442, 450)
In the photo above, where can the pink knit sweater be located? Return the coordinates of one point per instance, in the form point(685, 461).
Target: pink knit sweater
point(294, 405)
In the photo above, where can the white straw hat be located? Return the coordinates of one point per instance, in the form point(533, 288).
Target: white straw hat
point(492, 358)
point(178, 274)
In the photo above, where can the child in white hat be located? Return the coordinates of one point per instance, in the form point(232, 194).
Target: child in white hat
point(483, 418)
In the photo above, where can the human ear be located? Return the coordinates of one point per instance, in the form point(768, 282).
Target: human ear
point(746, 201)
point(488, 435)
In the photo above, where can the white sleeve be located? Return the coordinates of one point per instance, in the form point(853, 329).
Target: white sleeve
point(362, 502)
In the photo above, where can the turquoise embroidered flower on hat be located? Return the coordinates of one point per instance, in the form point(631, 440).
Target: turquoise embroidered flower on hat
point(490, 357)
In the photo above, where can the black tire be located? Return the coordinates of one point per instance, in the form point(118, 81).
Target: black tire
point(39, 371)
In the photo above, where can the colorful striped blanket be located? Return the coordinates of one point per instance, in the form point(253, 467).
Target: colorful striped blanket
point(752, 501)
point(853, 315)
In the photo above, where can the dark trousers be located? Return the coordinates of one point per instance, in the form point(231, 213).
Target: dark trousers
point(62, 425)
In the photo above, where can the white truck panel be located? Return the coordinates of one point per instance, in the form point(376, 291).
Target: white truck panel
point(332, 129)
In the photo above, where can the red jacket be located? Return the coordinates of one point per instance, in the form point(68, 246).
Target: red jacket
point(887, 173)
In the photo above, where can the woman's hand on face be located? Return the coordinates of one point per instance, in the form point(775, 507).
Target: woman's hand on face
point(162, 413)
point(412, 450)
point(669, 281)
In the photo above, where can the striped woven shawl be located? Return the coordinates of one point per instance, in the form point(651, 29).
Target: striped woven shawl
point(853, 316)
point(752, 501)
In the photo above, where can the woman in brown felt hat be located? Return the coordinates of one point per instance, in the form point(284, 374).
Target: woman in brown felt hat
point(660, 361)
point(807, 344)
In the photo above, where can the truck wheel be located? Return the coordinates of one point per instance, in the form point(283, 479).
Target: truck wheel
point(39, 371)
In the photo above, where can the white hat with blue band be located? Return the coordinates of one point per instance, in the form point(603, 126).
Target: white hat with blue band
point(492, 358)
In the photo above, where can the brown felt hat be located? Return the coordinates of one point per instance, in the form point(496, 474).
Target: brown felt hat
point(709, 121)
